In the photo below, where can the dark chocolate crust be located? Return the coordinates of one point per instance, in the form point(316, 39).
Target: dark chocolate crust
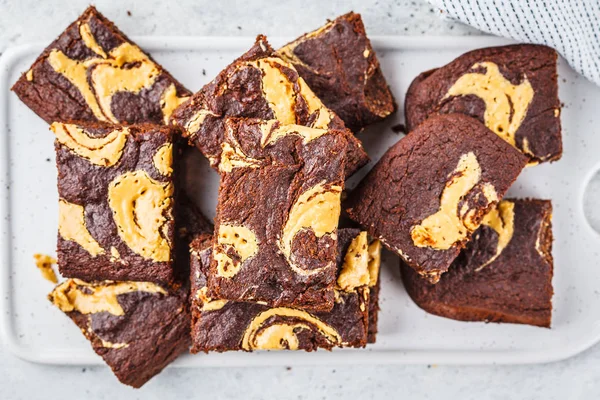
point(238, 92)
point(541, 127)
point(340, 66)
point(406, 185)
point(54, 98)
point(261, 197)
point(84, 184)
point(222, 329)
point(374, 311)
point(516, 287)
point(154, 329)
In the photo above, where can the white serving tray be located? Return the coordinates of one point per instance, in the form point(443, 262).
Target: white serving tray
point(36, 331)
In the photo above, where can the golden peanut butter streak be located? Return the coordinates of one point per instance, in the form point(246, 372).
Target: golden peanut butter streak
point(374, 262)
point(44, 263)
point(281, 95)
point(261, 335)
point(209, 304)
point(449, 225)
point(272, 131)
point(355, 269)
point(141, 208)
point(103, 151)
point(72, 227)
point(506, 104)
point(502, 220)
point(99, 78)
point(163, 159)
point(239, 239)
point(91, 298)
point(317, 210)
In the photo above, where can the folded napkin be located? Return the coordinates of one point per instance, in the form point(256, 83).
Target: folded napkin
point(572, 27)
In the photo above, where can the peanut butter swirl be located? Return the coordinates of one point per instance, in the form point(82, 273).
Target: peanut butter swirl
point(506, 104)
point(124, 68)
point(449, 225)
point(141, 209)
point(91, 298)
point(261, 334)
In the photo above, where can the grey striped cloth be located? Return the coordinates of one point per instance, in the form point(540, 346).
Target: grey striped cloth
point(572, 27)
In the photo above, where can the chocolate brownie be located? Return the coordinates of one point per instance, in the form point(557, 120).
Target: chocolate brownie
point(374, 289)
point(430, 190)
point(278, 206)
point(503, 275)
point(260, 85)
point(93, 72)
point(340, 66)
point(512, 89)
point(115, 201)
point(220, 325)
point(138, 328)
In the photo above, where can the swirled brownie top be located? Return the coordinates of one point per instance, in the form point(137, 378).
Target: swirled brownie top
point(93, 72)
point(138, 328)
point(513, 90)
point(278, 206)
point(260, 85)
point(221, 325)
point(115, 192)
point(503, 275)
point(340, 66)
point(430, 190)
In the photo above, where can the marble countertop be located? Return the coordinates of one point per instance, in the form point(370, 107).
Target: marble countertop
point(24, 21)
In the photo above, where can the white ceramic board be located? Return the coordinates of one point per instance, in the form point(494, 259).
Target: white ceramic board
point(36, 331)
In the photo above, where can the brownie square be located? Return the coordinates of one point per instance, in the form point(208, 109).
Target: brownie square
point(374, 289)
point(138, 328)
point(259, 85)
point(430, 190)
point(503, 275)
point(115, 201)
point(220, 325)
point(340, 66)
point(93, 72)
point(512, 89)
point(278, 206)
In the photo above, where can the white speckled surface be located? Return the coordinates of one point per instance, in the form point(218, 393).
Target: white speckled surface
point(23, 21)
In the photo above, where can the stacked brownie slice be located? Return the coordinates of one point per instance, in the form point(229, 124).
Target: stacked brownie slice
point(222, 325)
point(275, 273)
point(118, 239)
point(435, 198)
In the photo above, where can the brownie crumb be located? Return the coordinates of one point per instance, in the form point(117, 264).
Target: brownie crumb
point(203, 72)
point(128, 13)
point(399, 128)
point(47, 160)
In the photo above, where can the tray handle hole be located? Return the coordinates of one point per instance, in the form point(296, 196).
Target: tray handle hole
point(591, 201)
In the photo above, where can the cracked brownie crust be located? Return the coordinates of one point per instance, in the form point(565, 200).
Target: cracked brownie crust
point(115, 201)
point(219, 325)
point(512, 89)
point(93, 72)
point(503, 275)
point(260, 85)
point(430, 191)
point(138, 328)
point(340, 66)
